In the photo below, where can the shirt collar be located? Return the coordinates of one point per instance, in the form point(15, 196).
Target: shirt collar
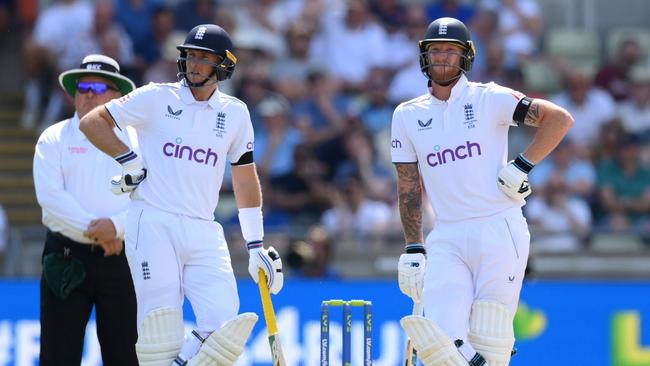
point(188, 98)
point(74, 123)
point(456, 91)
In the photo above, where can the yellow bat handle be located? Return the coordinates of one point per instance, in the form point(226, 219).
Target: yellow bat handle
point(267, 305)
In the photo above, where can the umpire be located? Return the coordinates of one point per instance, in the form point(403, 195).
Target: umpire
point(83, 259)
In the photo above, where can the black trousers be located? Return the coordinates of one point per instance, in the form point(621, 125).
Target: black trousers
point(109, 287)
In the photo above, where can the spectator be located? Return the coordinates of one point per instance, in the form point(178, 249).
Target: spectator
point(53, 36)
point(614, 76)
point(353, 214)
point(625, 189)
point(402, 86)
point(389, 13)
point(253, 88)
point(320, 116)
point(277, 141)
point(136, 17)
point(376, 110)
point(349, 46)
point(409, 74)
point(495, 69)
point(577, 176)
point(162, 27)
point(106, 37)
point(264, 23)
point(302, 194)
point(393, 17)
point(484, 30)
point(289, 72)
point(520, 24)
point(189, 13)
point(451, 8)
point(590, 107)
point(84, 264)
point(362, 163)
point(559, 221)
point(609, 139)
point(165, 69)
point(635, 111)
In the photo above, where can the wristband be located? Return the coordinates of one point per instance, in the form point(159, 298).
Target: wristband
point(415, 248)
point(252, 226)
point(523, 164)
point(126, 157)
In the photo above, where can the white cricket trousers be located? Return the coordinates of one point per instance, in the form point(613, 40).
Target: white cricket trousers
point(477, 259)
point(172, 256)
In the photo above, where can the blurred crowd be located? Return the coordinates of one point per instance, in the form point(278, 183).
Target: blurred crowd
point(321, 79)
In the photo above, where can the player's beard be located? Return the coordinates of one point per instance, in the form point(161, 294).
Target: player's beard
point(444, 74)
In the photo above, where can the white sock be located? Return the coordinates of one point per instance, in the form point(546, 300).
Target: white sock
point(192, 345)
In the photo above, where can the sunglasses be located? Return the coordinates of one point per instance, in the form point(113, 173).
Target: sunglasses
point(95, 87)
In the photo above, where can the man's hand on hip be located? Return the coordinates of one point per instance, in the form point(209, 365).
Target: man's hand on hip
point(133, 173)
point(410, 271)
point(513, 178)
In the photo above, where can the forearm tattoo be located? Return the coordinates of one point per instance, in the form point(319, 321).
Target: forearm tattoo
point(409, 188)
point(532, 117)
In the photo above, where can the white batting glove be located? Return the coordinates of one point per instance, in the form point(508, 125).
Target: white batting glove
point(513, 178)
point(269, 260)
point(410, 271)
point(133, 173)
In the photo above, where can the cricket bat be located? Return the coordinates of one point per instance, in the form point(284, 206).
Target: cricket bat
point(411, 355)
point(271, 324)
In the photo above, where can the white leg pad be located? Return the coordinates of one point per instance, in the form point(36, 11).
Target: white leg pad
point(491, 332)
point(160, 338)
point(434, 347)
point(224, 345)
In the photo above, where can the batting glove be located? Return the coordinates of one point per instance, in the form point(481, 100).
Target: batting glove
point(269, 260)
point(410, 271)
point(513, 178)
point(133, 173)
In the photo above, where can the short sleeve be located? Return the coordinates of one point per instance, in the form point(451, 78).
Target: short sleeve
point(402, 150)
point(244, 140)
point(133, 109)
point(502, 104)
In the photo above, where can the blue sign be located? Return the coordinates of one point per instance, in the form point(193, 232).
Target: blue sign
point(558, 323)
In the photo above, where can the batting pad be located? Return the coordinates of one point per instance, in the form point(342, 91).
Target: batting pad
point(160, 338)
point(224, 345)
point(491, 332)
point(434, 347)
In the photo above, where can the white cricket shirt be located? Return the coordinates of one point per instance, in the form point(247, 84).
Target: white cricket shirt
point(460, 145)
point(184, 144)
point(72, 181)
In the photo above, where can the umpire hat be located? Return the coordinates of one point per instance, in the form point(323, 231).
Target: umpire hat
point(99, 65)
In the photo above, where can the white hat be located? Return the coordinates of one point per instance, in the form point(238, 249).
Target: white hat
point(96, 65)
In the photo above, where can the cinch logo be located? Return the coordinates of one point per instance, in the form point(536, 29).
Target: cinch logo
point(396, 144)
point(179, 151)
point(449, 155)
